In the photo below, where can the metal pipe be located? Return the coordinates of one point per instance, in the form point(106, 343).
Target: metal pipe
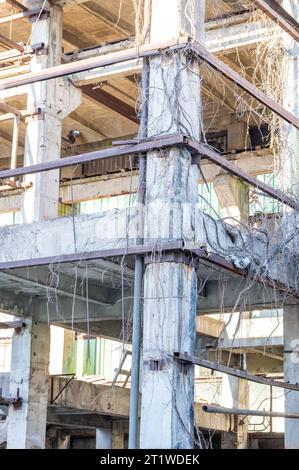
point(136, 344)
point(271, 407)
point(15, 139)
point(246, 412)
point(137, 307)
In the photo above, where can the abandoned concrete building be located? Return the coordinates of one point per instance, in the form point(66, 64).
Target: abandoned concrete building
point(149, 179)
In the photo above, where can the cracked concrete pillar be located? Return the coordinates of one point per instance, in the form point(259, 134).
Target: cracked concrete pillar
point(56, 99)
point(288, 177)
point(289, 181)
point(170, 283)
point(291, 372)
point(29, 379)
point(30, 350)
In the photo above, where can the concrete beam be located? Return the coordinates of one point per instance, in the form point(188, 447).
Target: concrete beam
point(87, 396)
point(228, 39)
point(105, 230)
point(229, 297)
point(114, 402)
point(15, 303)
point(108, 72)
point(109, 329)
point(53, 281)
point(60, 308)
point(94, 51)
point(215, 421)
point(119, 229)
point(73, 417)
point(209, 326)
point(115, 22)
point(248, 343)
point(216, 40)
point(81, 311)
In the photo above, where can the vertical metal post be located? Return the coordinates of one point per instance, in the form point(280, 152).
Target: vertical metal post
point(137, 307)
point(15, 139)
point(271, 408)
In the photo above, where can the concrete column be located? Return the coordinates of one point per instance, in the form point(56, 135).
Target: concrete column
point(29, 378)
point(228, 440)
point(170, 288)
point(291, 372)
point(288, 177)
point(63, 440)
point(30, 350)
point(120, 428)
point(233, 196)
point(288, 180)
point(167, 419)
point(235, 394)
point(104, 438)
point(56, 98)
point(242, 424)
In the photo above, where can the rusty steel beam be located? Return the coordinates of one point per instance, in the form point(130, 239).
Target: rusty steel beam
point(144, 146)
point(234, 372)
point(14, 55)
point(15, 17)
point(15, 324)
point(19, 16)
point(62, 70)
point(280, 16)
point(150, 51)
point(7, 108)
point(111, 102)
point(217, 261)
point(198, 149)
point(223, 263)
point(202, 53)
point(6, 401)
point(94, 255)
point(11, 43)
point(11, 112)
point(204, 151)
point(17, 5)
